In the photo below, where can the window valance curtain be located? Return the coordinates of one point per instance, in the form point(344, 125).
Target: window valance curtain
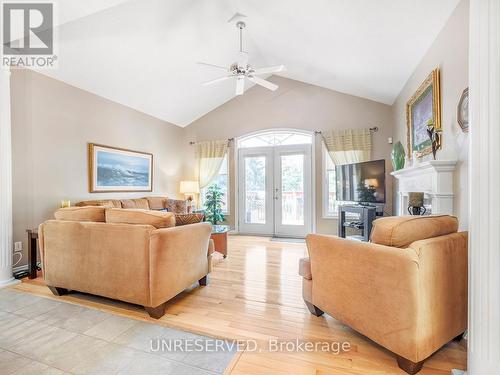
point(209, 156)
point(348, 145)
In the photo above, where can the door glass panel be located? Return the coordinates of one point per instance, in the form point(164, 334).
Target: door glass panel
point(292, 189)
point(255, 189)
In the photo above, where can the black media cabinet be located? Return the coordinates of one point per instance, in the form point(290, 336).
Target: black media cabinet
point(363, 222)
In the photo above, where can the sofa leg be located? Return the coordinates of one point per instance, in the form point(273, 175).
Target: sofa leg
point(156, 312)
point(459, 337)
point(58, 291)
point(204, 280)
point(313, 309)
point(409, 366)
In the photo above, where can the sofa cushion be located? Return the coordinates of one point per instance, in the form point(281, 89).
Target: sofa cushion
point(85, 213)
point(157, 203)
point(102, 202)
point(136, 216)
point(401, 231)
point(305, 268)
point(141, 203)
point(184, 219)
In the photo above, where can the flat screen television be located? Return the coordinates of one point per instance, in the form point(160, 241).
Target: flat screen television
point(363, 183)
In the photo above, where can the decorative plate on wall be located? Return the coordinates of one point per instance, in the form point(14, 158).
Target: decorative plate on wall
point(463, 111)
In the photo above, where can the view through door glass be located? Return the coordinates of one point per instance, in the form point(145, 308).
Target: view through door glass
point(255, 189)
point(292, 189)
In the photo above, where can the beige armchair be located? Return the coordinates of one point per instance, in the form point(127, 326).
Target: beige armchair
point(137, 256)
point(405, 290)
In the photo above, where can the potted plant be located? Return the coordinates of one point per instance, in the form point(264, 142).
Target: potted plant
point(213, 205)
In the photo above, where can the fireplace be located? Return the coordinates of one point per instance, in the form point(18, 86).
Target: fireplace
point(435, 178)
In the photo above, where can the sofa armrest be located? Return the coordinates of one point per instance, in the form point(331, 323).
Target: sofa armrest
point(442, 282)
point(370, 287)
point(178, 258)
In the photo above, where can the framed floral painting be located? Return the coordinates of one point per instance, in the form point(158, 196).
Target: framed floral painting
point(422, 110)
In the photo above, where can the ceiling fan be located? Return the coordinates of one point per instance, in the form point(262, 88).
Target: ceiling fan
point(241, 69)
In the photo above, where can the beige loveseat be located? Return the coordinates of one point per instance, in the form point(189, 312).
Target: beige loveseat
point(406, 290)
point(137, 256)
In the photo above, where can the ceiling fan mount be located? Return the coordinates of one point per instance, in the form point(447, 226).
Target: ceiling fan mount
point(241, 69)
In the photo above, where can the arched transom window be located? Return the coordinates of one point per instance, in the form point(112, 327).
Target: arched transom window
point(275, 138)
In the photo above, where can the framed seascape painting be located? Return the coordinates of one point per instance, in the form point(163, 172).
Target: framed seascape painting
point(114, 169)
point(423, 110)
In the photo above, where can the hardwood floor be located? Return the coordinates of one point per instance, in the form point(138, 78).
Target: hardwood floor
point(255, 293)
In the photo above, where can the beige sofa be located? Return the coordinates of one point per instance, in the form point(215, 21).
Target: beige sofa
point(182, 213)
point(146, 203)
point(137, 256)
point(406, 290)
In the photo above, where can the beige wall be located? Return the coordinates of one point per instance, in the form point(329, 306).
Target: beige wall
point(52, 124)
point(450, 53)
point(295, 105)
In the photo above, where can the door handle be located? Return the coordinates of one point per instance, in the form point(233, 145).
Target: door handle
point(276, 190)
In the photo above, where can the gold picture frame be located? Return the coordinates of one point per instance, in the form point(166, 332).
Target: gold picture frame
point(424, 106)
point(113, 169)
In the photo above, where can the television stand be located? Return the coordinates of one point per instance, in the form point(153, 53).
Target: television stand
point(363, 223)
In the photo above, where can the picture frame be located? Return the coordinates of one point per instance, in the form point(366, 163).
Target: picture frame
point(424, 106)
point(463, 111)
point(113, 169)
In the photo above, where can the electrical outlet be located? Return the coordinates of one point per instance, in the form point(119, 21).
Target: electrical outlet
point(18, 246)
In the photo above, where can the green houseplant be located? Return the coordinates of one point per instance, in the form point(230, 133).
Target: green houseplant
point(213, 205)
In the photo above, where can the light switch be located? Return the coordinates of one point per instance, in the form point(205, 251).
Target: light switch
point(18, 246)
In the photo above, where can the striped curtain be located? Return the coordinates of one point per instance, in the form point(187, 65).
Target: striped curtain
point(209, 156)
point(348, 145)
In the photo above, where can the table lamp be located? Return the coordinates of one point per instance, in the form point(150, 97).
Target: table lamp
point(190, 189)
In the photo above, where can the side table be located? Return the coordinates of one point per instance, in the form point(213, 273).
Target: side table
point(32, 247)
point(219, 236)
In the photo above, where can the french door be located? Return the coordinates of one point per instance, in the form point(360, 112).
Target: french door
point(274, 195)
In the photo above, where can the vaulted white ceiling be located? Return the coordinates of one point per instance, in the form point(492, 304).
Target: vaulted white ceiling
point(143, 53)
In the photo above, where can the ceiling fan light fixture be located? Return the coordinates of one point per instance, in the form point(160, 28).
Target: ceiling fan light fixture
point(241, 69)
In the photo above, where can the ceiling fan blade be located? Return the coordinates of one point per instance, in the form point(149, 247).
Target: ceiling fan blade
point(270, 69)
point(216, 80)
point(243, 59)
point(213, 66)
point(263, 83)
point(240, 85)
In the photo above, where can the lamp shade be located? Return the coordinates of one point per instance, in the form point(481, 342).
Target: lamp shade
point(189, 187)
point(371, 182)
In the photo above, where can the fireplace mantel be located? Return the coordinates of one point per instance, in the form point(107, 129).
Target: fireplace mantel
point(435, 178)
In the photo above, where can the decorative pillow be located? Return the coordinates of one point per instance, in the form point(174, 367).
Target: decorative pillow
point(401, 231)
point(135, 216)
point(157, 203)
point(141, 203)
point(86, 213)
point(184, 219)
point(176, 205)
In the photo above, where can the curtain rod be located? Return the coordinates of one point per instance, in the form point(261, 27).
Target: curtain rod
point(229, 140)
point(373, 130)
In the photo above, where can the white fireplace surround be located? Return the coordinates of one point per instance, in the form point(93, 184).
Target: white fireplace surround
point(435, 178)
